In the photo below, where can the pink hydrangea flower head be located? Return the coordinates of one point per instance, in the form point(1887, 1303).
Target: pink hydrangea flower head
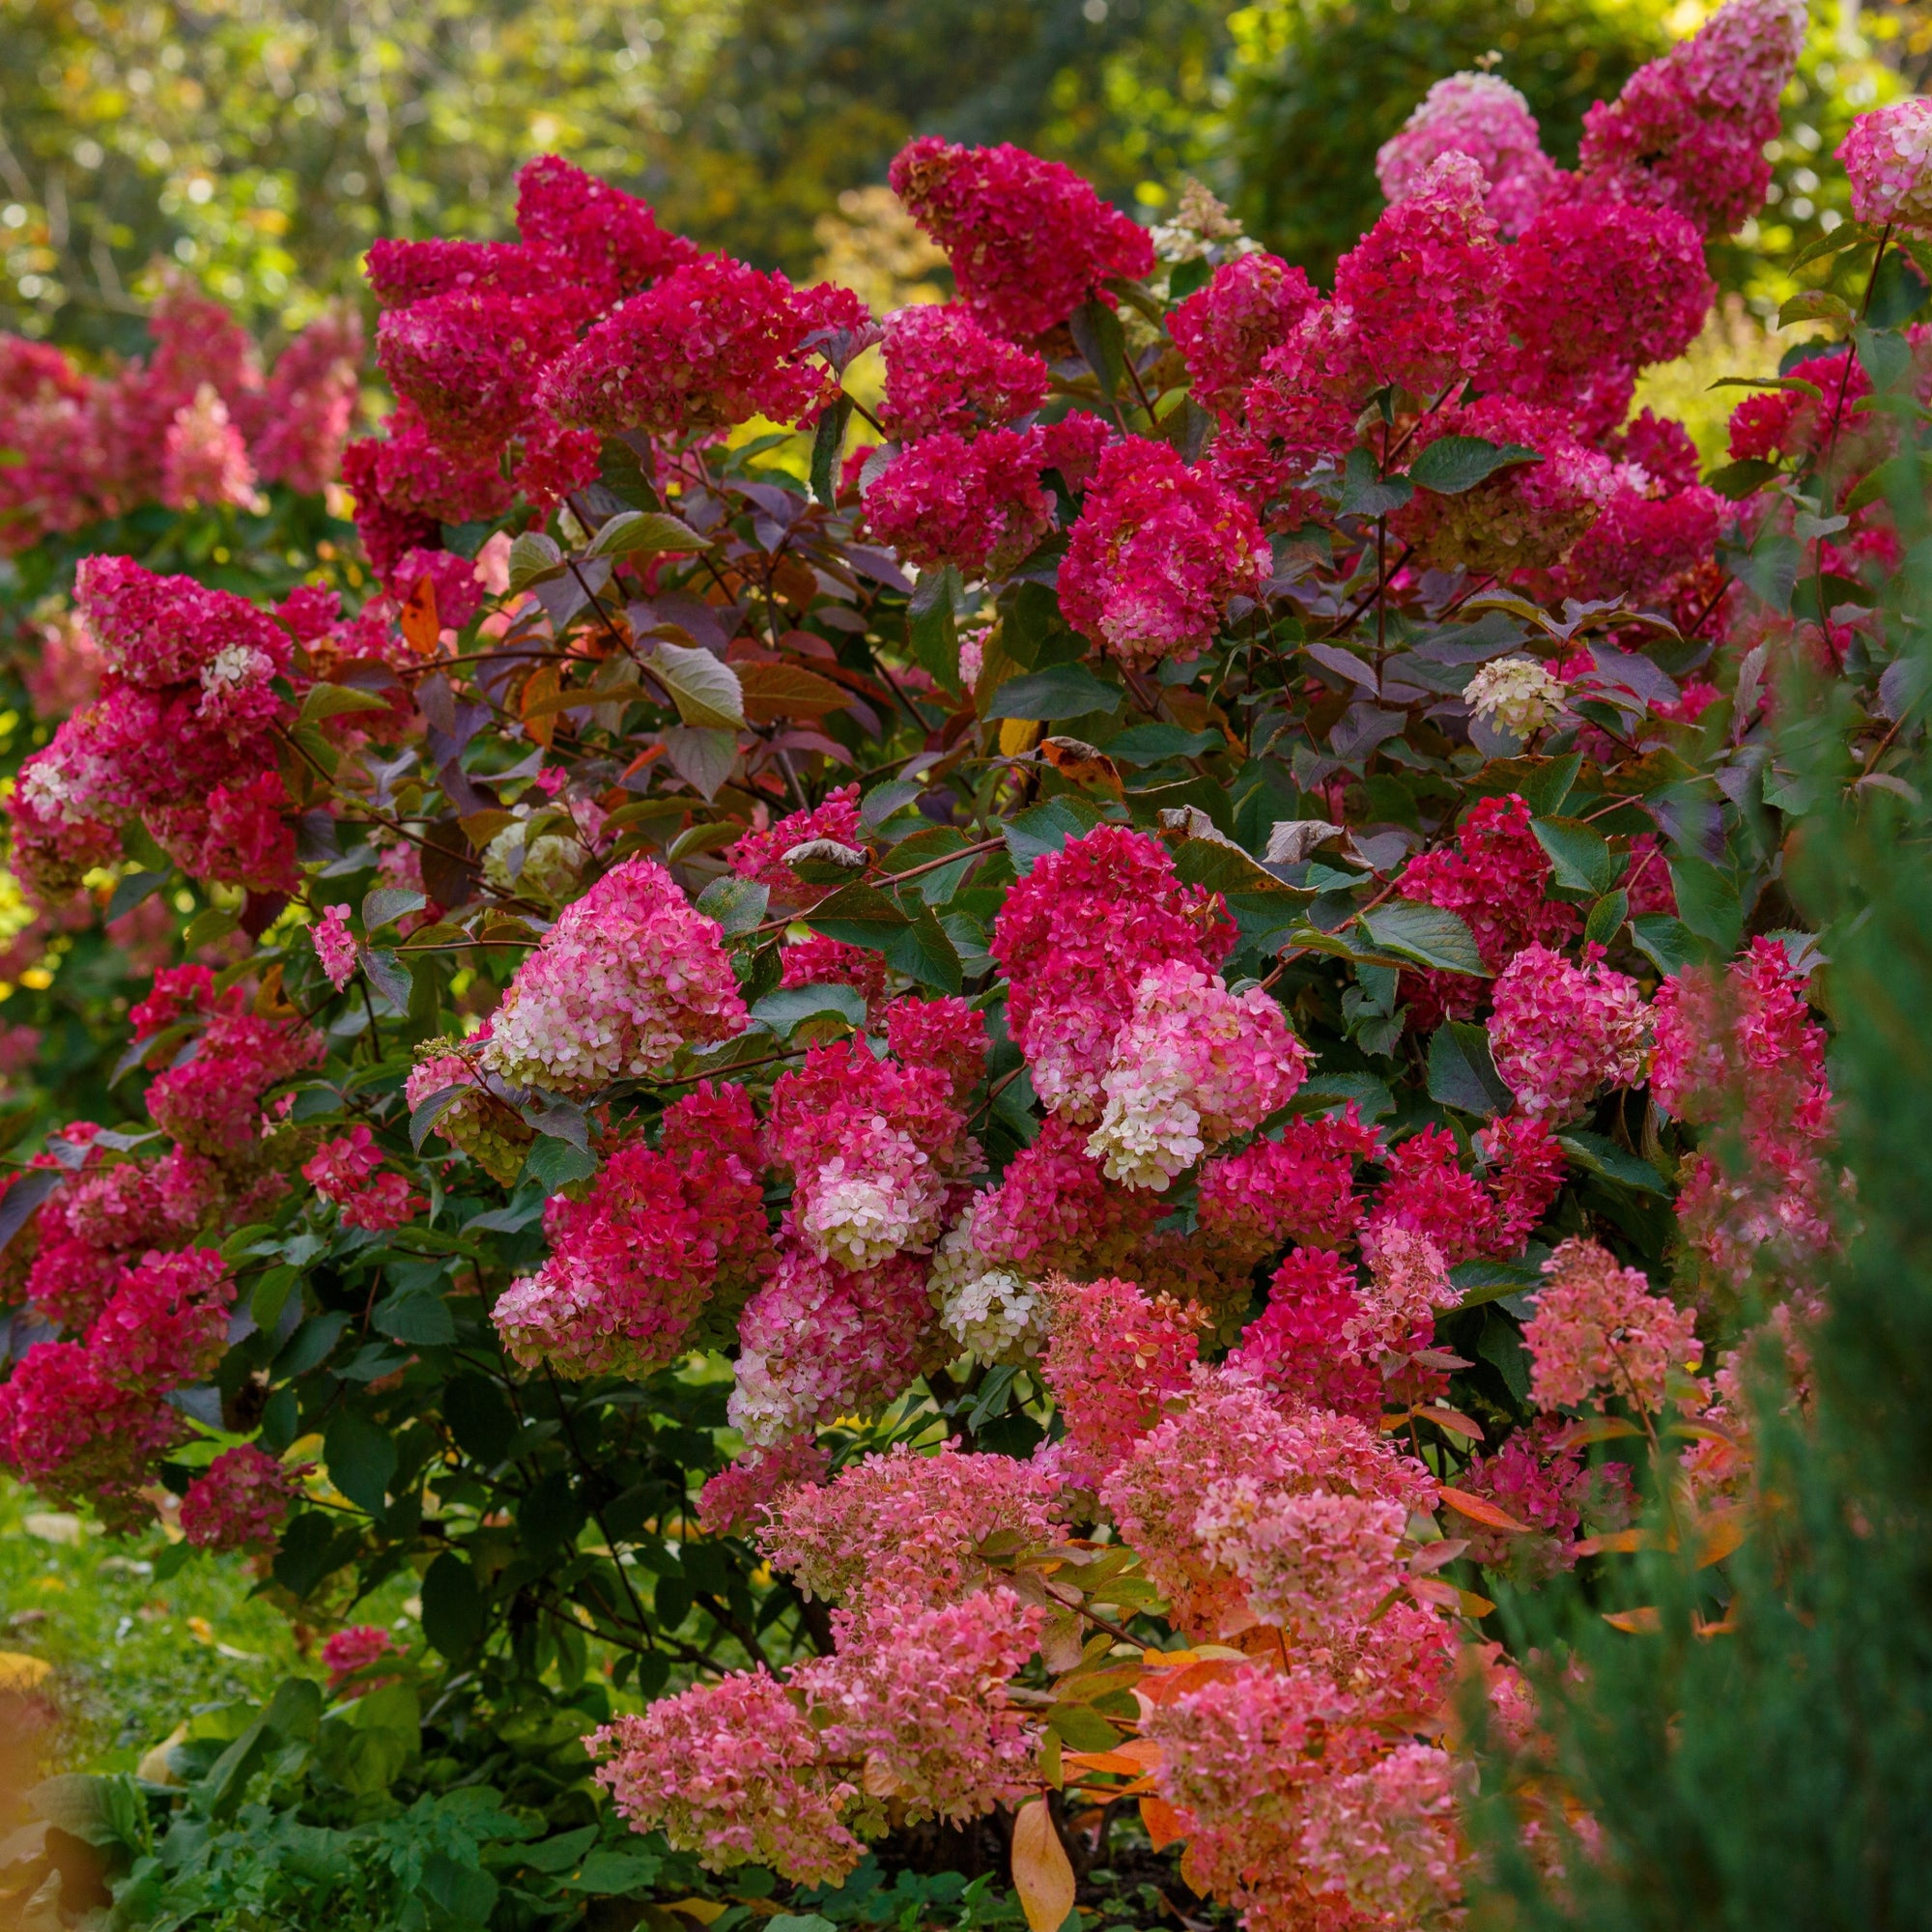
point(818, 961)
point(627, 975)
point(734, 1772)
point(976, 502)
point(760, 855)
point(945, 372)
point(872, 1146)
point(166, 1324)
point(1309, 1563)
point(1689, 129)
point(945, 1033)
point(818, 1341)
point(204, 457)
point(334, 945)
point(1409, 1283)
point(1888, 158)
point(1524, 1167)
point(1430, 1192)
point(1386, 1838)
point(347, 1652)
point(1029, 240)
point(1308, 1346)
point(489, 1130)
point(900, 1532)
point(1599, 1330)
point(1074, 938)
point(1561, 1034)
point(1114, 1359)
point(921, 1701)
point(1226, 328)
point(1157, 554)
point(1194, 1065)
point(310, 403)
point(710, 344)
point(401, 273)
point(1480, 115)
point(452, 582)
point(238, 1502)
point(608, 241)
point(1300, 1188)
point(1419, 289)
point(213, 1102)
point(741, 1500)
point(339, 1167)
point(155, 631)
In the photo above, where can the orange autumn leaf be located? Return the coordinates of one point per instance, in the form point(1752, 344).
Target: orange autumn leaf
point(1479, 1509)
point(420, 624)
point(1041, 1874)
point(1640, 1622)
point(1164, 1824)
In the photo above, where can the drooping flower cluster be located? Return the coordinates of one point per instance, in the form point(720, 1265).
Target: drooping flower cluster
point(628, 974)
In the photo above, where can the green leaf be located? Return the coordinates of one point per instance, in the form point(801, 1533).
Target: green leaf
point(1847, 235)
point(310, 1345)
point(827, 441)
point(859, 916)
point(1046, 827)
point(700, 757)
point(736, 904)
point(466, 1893)
point(924, 954)
point(132, 891)
point(479, 1418)
point(558, 1854)
point(1668, 943)
point(534, 558)
point(1482, 1281)
point(415, 1316)
point(1745, 477)
point(330, 700)
point(430, 1109)
point(791, 1007)
point(1708, 903)
point(360, 1457)
point(704, 689)
point(1606, 919)
point(1604, 1157)
point(1462, 1071)
point(610, 1874)
point(557, 1163)
point(623, 476)
point(1156, 744)
point(643, 533)
point(390, 977)
point(1885, 357)
point(1542, 783)
point(1454, 464)
point(1580, 856)
point(1185, 277)
point(388, 903)
point(1060, 690)
point(271, 1298)
point(1429, 935)
point(1770, 569)
point(1100, 338)
point(930, 627)
point(1080, 1727)
point(1813, 306)
point(1364, 495)
point(452, 1606)
point(209, 923)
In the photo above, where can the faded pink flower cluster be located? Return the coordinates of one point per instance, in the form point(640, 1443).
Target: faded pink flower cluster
point(1887, 158)
point(1599, 1330)
point(1480, 115)
point(238, 1502)
point(627, 975)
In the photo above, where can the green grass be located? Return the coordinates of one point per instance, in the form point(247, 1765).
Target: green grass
point(131, 1655)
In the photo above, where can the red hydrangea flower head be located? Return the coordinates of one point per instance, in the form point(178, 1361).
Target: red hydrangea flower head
point(166, 1324)
point(179, 993)
point(402, 273)
point(1028, 240)
point(1418, 291)
point(155, 631)
point(347, 1651)
point(973, 501)
point(1480, 115)
point(945, 1033)
point(1299, 1189)
point(945, 372)
point(1308, 1344)
point(76, 1434)
point(741, 1500)
point(1561, 1033)
point(711, 345)
point(468, 359)
point(760, 855)
point(1689, 129)
point(1594, 292)
point(238, 1502)
point(608, 241)
point(1158, 552)
point(310, 402)
point(818, 961)
point(1074, 938)
point(1225, 329)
